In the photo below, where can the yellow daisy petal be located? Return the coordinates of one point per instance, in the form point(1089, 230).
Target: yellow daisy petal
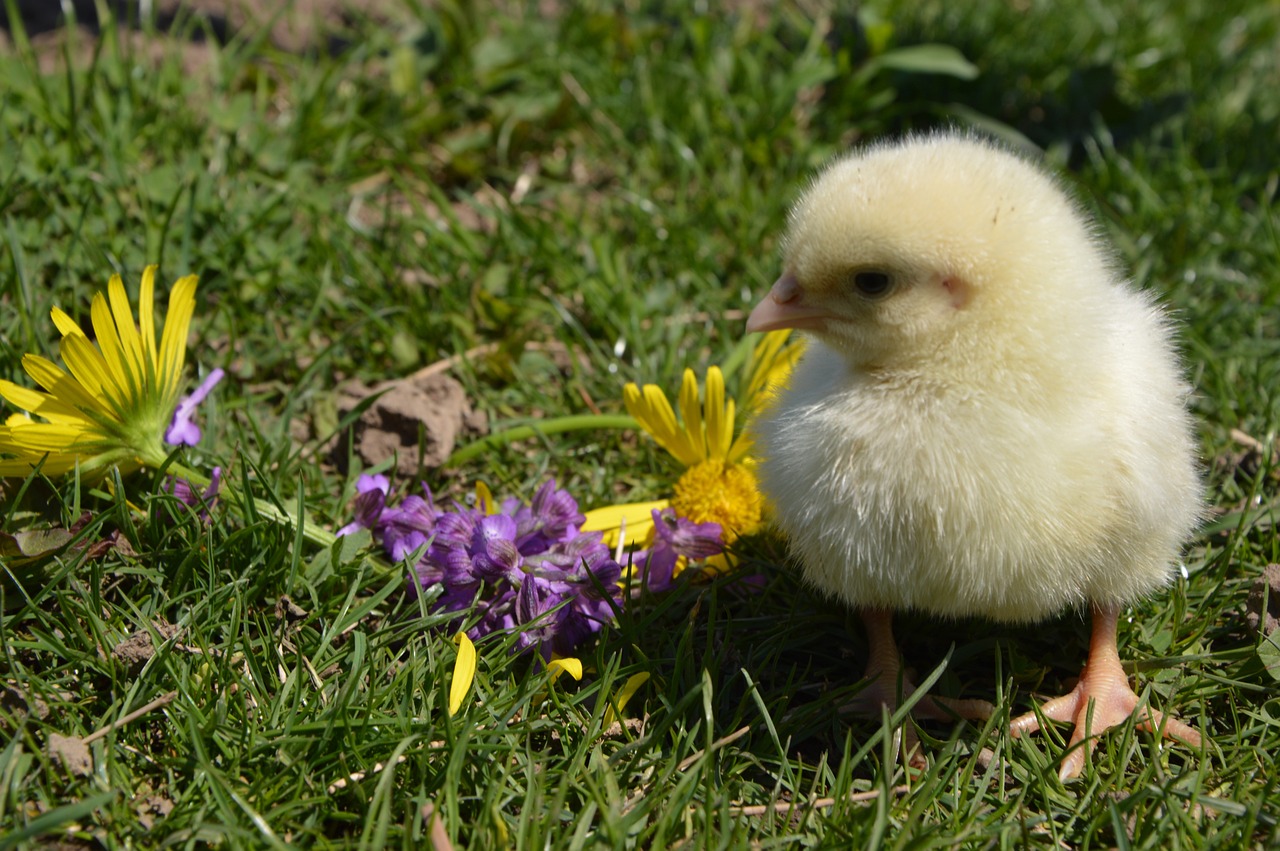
point(659, 421)
point(726, 434)
point(719, 422)
point(37, 403)
point(61, 386)
point(147, 313)
point(484, 498)
point(652, 410)
point(620, 700)
point(678, 442)
point(52, 467)
point(46, 437)
point(65, 324)
point(771, 363)
point(741, 446)
point(104, 328)
point(173, 345)
point(464, 671)
point(691, 413)
point(636, 519)
point(130, 341)
point(89, 368)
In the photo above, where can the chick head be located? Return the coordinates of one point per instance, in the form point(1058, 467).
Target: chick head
point(902, 251)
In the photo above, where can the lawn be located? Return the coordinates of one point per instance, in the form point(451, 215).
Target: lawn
point(546, 201)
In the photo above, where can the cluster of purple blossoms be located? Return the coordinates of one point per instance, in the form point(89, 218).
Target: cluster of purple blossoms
point(524, 568)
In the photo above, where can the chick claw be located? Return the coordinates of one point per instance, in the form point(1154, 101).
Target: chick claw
point(890, 687)
point(1101, 700)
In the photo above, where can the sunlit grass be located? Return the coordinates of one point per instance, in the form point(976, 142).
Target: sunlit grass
point(599, 194)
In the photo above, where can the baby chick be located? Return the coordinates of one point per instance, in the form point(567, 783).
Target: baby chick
point(988, 421)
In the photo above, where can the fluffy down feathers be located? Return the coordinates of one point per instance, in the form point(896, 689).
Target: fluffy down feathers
point(990, 420)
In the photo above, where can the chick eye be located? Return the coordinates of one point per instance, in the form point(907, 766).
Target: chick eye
point(872, 283)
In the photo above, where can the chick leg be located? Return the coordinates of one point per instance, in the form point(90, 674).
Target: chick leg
point(1101, 700)
point(890, 687)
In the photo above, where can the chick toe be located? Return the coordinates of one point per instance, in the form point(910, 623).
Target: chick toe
point(1102, 699)
point(889, 687)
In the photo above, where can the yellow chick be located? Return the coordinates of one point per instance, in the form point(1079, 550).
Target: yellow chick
point(989, 420)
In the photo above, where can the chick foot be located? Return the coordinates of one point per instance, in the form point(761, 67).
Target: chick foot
point(1101, 700)
point(890, 688)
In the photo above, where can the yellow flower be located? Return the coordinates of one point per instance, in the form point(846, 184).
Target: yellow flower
point(116, 399)
point(716, 485)
point(719, 483)
point(771, 363)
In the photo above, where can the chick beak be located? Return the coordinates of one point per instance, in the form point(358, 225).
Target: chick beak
point(784, 307)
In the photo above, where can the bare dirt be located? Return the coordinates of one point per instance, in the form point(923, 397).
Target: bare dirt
point(188, 27)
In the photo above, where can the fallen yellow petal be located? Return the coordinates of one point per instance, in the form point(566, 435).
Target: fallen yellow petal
point(637, 517)
point(567, 665)
point(619, 702)
point(464, 671)
point(484, 498)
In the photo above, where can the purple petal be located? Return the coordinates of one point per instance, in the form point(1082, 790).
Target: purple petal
point(659, 566)
point(368, 509)
point(182, 431)
point(366, 483)
point(186, 494)
point(692, 540)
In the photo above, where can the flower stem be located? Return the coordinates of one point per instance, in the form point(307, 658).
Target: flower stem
point(579, 422)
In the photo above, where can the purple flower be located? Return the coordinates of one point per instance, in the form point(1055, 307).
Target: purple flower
point(551, 518)
point(408, 527)
point(525, 569)
point(188, 496)
point(182, 431)
point(675, 537)
point(370, 500)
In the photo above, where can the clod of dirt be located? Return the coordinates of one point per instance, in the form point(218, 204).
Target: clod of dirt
point(151, 809)
point(287, 609)
point(71, 753)
point(1266, 589)
point(20, 702)
point(138, 648)
point(428, 411)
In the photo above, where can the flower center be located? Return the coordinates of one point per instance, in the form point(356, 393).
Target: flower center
point(712, 491)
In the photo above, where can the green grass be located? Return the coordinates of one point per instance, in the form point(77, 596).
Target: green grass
point(363, 215)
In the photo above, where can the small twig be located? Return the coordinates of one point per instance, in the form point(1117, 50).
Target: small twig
point(524, 182)
point(486, 349)
point(357, 776)
point(162, 700)
point(483, 350)
point(578, 93)
point(589, 402)
point(1247, 439)
point(715, 746)
point(819, 804)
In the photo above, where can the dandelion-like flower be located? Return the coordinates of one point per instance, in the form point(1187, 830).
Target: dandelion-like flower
point(117, 400)
point(717, 486)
